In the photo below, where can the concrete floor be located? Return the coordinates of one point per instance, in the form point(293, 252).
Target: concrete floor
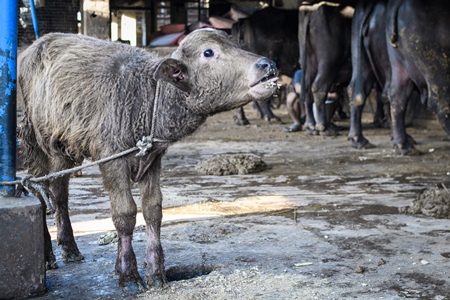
point(322, 222)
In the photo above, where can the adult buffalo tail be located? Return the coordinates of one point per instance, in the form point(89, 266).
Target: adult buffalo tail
point(303, 48)
point(358, 94)
point(392, 25)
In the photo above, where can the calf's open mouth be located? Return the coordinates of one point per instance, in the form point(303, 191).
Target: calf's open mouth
point(269, 79)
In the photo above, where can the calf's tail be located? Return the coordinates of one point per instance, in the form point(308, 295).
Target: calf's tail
point(34, 158)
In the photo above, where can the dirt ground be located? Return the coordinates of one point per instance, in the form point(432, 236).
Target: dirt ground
point(321, 222)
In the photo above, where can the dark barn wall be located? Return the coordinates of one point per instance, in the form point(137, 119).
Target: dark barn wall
point(54, 16)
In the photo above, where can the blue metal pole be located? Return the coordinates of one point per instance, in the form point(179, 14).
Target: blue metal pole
point(8, 74)
point(34, 18)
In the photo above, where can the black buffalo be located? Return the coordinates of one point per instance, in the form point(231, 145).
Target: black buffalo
point(371, 68)
point(270, 32)
point(418, 45)
point(324, 39)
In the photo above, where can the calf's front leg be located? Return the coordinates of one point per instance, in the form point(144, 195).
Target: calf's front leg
point(123, 208)
point(149, 186)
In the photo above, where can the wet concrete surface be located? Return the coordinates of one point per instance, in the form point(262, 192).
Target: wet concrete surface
point(322, 222)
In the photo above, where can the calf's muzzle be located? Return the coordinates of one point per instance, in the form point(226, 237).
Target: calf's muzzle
point(266, 65)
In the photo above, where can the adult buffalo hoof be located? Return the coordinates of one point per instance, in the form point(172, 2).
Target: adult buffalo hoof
point(240, 121)
point(361, 143)
point(157, 281)
point(72, 256)
point(320, 128)
point(133, 287)
point(406, 150)
point(310, 131)
point(273, 118)
point(328, 132)
point(336, 127)
point(293, 128)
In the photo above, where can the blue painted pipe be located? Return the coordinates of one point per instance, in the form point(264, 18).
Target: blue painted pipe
point(34, 18)
point(8, 74)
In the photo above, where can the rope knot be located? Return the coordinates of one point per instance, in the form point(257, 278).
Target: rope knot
point(25, 181)
point(144, 145)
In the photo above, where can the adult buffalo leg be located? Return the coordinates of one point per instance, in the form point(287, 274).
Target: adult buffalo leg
point(438, 101)
point(151, 195)
point(438, 83)
point(381, 118)
point(310, 122)
point(116, 181)
point(320, 89)
point(239, 117)
point(357, 104)
point(399, 93)
point(264, 108)
point(444, 119)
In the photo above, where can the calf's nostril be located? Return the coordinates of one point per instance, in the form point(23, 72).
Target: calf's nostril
point(266, 65)
point(263, 64)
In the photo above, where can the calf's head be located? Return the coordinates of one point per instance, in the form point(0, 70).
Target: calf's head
point(221, 75)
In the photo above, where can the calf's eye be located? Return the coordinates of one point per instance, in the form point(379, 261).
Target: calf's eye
point(208, 53)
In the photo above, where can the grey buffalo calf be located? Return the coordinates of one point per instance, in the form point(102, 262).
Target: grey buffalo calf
point(88, 98)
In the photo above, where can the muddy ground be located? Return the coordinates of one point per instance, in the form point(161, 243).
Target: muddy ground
point(321, 222)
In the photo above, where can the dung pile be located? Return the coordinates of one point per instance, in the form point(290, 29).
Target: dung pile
point(239, 164)
point(434, 202)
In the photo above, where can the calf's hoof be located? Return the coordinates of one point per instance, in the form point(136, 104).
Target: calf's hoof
point(51, 264)
point(157, 281)
point(72, 256)
point(133, 287)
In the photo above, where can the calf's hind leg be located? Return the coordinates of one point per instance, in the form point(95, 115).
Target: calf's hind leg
point(60, 190)
point(50, 259)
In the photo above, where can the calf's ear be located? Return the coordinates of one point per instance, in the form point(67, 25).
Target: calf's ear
point(173, 72)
